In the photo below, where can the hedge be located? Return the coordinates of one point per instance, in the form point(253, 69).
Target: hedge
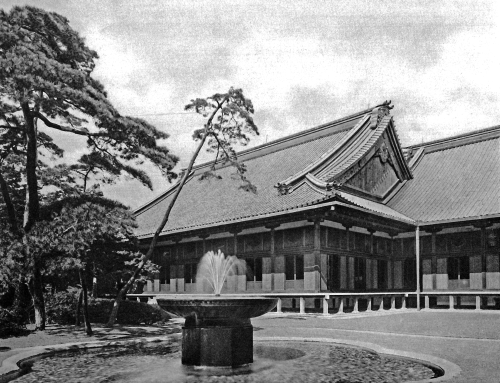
point(61, 309)
point(11, 324)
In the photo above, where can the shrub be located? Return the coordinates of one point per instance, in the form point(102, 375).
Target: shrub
point(11, 324)
point(61, 309)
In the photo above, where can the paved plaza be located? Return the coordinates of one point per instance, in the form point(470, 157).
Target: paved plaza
point(471, 340)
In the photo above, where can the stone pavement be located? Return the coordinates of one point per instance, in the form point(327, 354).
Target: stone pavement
point(468, 339)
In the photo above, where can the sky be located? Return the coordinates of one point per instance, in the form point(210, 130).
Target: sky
point(303, 63)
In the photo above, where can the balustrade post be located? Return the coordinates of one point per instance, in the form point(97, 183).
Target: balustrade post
point(356, 302)
point(452, 302)
point(302, 305)
point(369, 307)
point(393, 302)
point(426, 298)
point(403, 303)
point(325, 304)
point(341, 305)
point(278, 306)
point(478, 302)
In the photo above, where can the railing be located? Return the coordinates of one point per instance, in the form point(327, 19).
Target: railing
point(372, 299)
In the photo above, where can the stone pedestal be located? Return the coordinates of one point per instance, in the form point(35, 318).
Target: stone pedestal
point(217, 331)
point(217, 342)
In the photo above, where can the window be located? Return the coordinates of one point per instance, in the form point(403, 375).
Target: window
point(190, 273)
point(458, 268)
point(290, 268)
point(294, 267)
point(162, 259)
point(254, 269)
point(359, 273)
point(334, 272)
point(410, 274)
point(382, 274)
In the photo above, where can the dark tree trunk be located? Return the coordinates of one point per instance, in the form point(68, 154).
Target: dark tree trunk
point(22, 298)
point(38, 300)
point(79, 308)
point(88, 328)
point(31, 211)
point(32, 205)
point(94, 282)
point(36, 289)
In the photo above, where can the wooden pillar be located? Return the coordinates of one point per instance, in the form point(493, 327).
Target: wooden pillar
point(371, 231)
point(483, 255)
point(235, 240)
point(312, 261)
point(204, 243)
point(417, 252)
point(276, 279)
point(317, 252)
point(347, 234)
point(433, 259)
point(240, 279)
point(202, 286)
point(179, 261)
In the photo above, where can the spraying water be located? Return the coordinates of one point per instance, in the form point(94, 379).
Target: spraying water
point(215, 268)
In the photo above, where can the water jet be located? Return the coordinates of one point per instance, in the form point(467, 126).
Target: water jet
point(217, 330)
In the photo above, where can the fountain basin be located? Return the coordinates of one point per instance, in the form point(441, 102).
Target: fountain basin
point(217, 331)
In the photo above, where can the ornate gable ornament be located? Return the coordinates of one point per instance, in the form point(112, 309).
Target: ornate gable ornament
point(380, 112)
point(283, 189)
point(384, 154)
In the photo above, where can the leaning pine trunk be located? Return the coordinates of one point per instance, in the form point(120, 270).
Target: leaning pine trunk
point(146, 257)
point(88, 328)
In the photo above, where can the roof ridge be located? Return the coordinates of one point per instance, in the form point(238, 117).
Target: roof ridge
point(325, 156)
point(297, 135)
point(458, 140)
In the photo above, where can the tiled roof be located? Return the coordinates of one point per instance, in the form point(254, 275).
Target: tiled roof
point(456, 178)
point(453, 179)
point(374, 206)
point(208, 202)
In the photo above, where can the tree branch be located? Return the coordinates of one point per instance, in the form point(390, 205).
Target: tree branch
point(53, 125)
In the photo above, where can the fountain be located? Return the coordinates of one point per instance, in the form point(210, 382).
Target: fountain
point(217, 345)
point(217, 331)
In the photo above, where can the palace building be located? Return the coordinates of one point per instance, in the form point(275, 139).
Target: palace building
point(342, 208)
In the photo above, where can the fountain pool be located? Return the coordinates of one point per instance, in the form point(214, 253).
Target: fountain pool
point(279, 361)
